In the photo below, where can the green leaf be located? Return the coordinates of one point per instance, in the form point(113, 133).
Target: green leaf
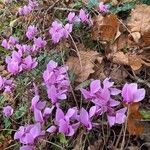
point(124, 7)
point(20, 112)
point(145, 2)
point(62, 139)
point(145, 114)
point(7, 123)
point(92, 3)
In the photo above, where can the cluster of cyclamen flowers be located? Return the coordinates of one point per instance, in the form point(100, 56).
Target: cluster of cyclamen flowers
point(59, 31)
point(21, 58)
point(27, 9)
point(56, 81)
point(7, 85)
point(102, 98)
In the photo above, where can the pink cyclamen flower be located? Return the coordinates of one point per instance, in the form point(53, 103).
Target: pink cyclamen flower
point(13, 62)
point(72, 18)
point(29, 63)
point(25, 10)
point(10, 43)
point(24, 48)
point(67, 30)
point(56, 31)
point(131, 93)
point(103, 7)
point(8, 111)
point(31, 32)
point(101, 97)
point(84, 16)
point(63, 122)
point(29, 133)
point(41, 112)
point(39, 42)
point(56, 81)
point(117, 118)
point(85, 117)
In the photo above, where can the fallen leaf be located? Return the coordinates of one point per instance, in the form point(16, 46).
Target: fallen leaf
point(133, 60)
point(133, 126)
point(105, 28)
point(122, 42)
point(119, 58)
point(139, 23)
point(85, 66)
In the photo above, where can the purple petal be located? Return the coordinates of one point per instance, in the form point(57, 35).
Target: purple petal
point(111, 120)
point(26, 147)
point(38, 116)
point(114, 103)
point(92, 111)
point(115, 91)
point(139, 95)
point(95, 86)
point(51, 129)
point(59, 115)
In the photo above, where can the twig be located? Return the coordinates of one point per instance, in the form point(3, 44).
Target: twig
point(145, 82)
point(54, 144)
point(65, 9)
point(11, 146)
point(117, 142)
point(124, 134)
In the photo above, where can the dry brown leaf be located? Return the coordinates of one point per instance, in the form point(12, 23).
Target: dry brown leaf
point(135, 61)
point(132, 60)
point(139, 23)
point(86, 67)
point(123, 41)
point(134, 128)
point(105, 28)
point(120, 58)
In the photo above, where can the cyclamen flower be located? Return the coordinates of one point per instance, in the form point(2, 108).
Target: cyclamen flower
point(28, 63)
point(39, 42)
point(8, 111)
point(13, 62)
point(40, 110)
point(85, 18)
point(10, 43)
point(24, 48)
point(6, 85)
point(63, 122)
point(101, 97)
point(31, 32)
point(57, 31)
point(72, 18)
point(85, 117)
point(67, 30)
point(131, 93)
point(25, 10)
point(103, 7)
point(56, 81)
point(29, 133)
point(117, 117)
